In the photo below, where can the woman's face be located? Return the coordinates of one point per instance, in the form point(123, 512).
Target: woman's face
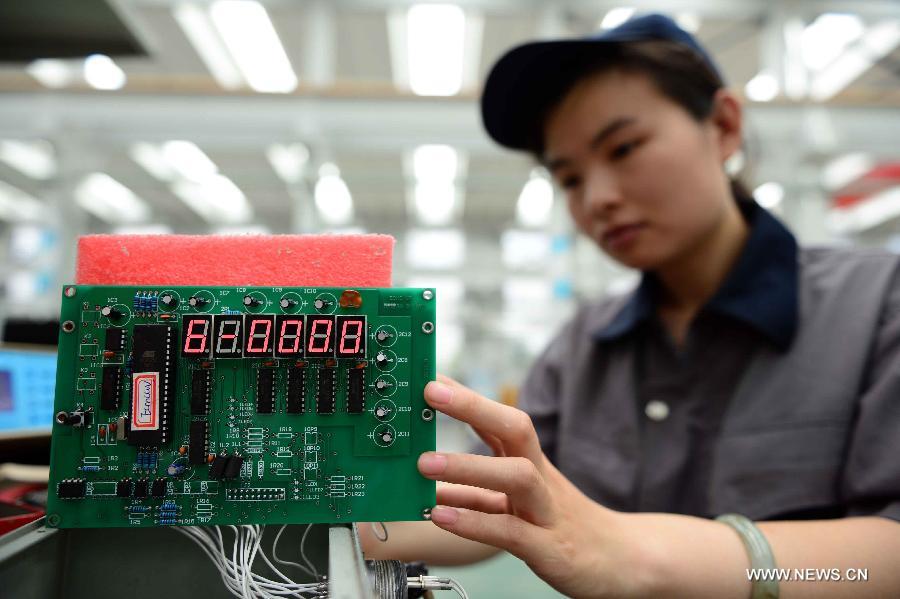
point(642, 177)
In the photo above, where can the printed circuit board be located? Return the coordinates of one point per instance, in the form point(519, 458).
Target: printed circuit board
point(233, 405)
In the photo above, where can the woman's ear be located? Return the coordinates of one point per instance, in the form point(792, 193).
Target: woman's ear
point(727, 119)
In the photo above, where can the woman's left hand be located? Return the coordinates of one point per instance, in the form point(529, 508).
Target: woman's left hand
point(518, 501)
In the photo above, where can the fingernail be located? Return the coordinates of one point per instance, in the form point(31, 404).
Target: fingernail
point(444, 515)
point(439, 394)
point(432, 463)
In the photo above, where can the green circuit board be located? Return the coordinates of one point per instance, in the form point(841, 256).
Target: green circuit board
point(241, 405)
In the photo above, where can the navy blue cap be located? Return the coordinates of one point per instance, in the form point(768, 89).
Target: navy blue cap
point(524, 79)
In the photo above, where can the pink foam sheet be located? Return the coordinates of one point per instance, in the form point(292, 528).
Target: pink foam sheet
point(258, 260)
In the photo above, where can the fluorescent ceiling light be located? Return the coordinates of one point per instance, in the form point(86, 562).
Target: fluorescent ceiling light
point(23, 287)
point(846, 169)
point(435, 163)
point(762, 88)
point(53, 72)
point(435, 197)
point(147, 229)
point(435, 202)
point(27, 241)
point(195, 23)
point(249, 35)
point(18, 206)
point(435, 249)
point(525, 249)
point(189, 160)
point(153, 160)
point(825, 39)
point(866, 214)
point(288, 160)
point(216, 199)
point(32, 158)
point(102, 73)
point(616, 17)
point(332, 196)
point(769, 195)
point(878, 41)
point(109, 200)
point(435, 47)
point(535, 202)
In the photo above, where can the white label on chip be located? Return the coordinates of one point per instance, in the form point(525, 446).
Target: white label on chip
point(145, 401)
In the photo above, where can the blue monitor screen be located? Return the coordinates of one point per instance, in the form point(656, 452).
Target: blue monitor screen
point(27, 381)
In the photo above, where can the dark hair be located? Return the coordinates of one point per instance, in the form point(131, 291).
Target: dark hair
point(676, 70)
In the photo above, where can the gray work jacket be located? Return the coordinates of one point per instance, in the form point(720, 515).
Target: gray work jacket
point(816, 426)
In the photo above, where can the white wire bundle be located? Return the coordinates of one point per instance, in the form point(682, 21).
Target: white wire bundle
point(237, 570)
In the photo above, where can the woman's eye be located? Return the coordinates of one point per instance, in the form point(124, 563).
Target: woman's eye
point(623, 150)
point(569, 182)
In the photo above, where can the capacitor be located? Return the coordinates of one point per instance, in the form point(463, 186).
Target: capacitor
point(182, 450)
point(320, 304)
point(250, 301)
point(381, 412)
point(387, 437)
point(197, 301)
point(287, 302)
point(110, 312)
point(381, 359)
point(381, 336)
point(381, 384)
point(168, 300)
point(175, 469)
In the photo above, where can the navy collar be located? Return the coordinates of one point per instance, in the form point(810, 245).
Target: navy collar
point(761, 290)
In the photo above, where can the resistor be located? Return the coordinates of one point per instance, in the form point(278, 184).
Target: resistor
point(90, 468)
point(167, 521)
point(139, 509)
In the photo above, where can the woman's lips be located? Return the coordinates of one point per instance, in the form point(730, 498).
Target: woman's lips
point(620, 237)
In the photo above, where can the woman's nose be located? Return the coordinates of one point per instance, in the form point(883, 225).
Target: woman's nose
point(601, 193)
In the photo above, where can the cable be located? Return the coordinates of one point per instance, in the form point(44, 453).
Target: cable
point(285, 562)
point(436, 583)
point(303, 551)
point(236, 571)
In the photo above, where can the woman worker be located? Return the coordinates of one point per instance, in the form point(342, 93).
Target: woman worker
point(740, 409)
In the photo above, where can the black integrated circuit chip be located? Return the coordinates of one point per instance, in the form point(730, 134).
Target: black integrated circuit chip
point(140, 488)
point(265, 391)
point(153, 380)
point(71, 488)
point(296, 396)
point(159, 488)
point(111, 387)
point(356, 390)
point(217, 468)
point(200, 391)
point(115, 339)
point(123, 488)
point(233, 467)
point(325, 391)
point(198, 444)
